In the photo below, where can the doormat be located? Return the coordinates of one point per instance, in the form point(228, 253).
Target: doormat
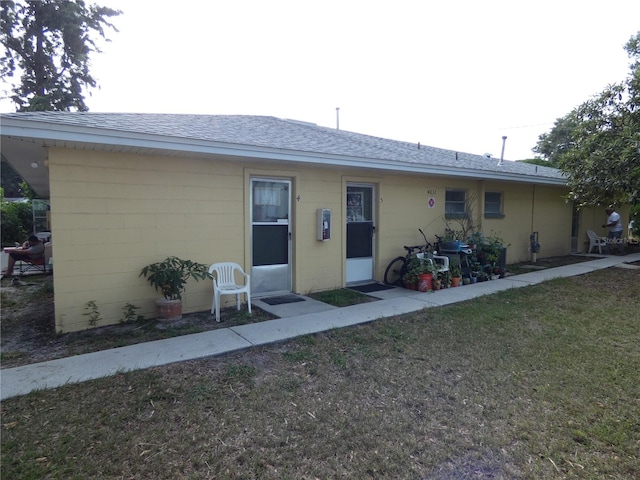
point(371, 287)
point(282, 299)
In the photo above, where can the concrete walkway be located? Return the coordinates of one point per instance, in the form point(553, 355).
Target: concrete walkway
point(297, 319)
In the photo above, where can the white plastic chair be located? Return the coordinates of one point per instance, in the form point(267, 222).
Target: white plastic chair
point(596, 241)
point(224, 283)
point(440, 263)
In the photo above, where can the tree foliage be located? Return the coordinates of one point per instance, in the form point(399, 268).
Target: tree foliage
point(598, 143)
point(48, 44)
point(17, 221)
point(553, 144)
point(537, 161)
point(10, 181)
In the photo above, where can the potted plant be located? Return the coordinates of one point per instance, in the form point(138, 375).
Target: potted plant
point(445, 278)
point(425, 276)
point(456, 275)
point(410, 280)
point(494, 250)
point(437, 283)
point(170, 277)
point(475, 239)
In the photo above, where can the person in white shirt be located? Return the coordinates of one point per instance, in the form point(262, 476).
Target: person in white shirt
point(614, 224)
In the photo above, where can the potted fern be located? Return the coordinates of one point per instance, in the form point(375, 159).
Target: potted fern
point(170, 277)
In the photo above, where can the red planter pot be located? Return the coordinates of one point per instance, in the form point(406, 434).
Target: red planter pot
point(169, 310)
point(424, 282)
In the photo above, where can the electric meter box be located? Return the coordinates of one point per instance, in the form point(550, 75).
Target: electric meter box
point(324, 224)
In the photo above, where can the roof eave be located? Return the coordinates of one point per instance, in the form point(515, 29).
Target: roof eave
point(51, 133)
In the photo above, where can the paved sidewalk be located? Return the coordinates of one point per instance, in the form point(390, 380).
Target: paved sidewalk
point(294, 322)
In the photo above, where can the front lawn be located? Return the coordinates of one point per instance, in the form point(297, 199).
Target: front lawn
point(539, 382)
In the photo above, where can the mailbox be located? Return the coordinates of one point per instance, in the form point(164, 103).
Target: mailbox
point(324, 224)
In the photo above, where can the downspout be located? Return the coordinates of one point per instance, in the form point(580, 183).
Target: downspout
point(480, 204)
point(534, 255)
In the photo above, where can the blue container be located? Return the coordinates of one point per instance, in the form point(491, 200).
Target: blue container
point(455, 246)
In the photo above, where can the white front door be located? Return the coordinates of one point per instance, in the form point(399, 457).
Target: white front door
point(360, 232)
point(270, 236)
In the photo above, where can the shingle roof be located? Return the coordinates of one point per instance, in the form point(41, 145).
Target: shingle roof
point(271, 133)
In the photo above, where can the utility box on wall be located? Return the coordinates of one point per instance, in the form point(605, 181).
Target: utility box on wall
point(324, 224)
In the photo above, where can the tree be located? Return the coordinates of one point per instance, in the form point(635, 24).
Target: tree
point(538, 161)
point(16, 221)
point(602, 160)
point(10, 180)
point(49, 43)
point(553, 144)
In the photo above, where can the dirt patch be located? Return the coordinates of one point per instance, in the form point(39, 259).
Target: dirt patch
point(544, 263)
point(551, 262)
point(28, 325)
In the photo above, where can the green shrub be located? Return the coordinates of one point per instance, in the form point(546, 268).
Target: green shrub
point(17, 222)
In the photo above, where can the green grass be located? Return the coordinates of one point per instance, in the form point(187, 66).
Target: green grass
point(533, 383)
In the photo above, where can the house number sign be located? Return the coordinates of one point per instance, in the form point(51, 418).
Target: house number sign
point(431, 202)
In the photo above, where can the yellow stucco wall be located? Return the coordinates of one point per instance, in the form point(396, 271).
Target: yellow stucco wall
point(114, 213)
point(552, 219)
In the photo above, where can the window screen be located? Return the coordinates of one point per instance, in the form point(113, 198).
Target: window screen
point(493, 203)
point(454, 203)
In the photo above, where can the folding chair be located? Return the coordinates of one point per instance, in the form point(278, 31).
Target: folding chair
point(33, 265)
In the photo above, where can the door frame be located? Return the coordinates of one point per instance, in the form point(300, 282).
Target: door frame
point(374, 185)
point(254, 177)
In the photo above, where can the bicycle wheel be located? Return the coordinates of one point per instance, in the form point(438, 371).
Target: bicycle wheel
point(395, 270)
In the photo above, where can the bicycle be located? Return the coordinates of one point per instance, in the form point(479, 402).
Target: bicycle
point(399, 266)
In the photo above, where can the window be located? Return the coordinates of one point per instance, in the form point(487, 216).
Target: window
point(455, 203)
point(493, 205)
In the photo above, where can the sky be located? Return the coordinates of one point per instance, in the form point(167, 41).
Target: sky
point(455, 75)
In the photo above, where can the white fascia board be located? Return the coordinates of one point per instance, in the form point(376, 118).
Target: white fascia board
point(51, 133)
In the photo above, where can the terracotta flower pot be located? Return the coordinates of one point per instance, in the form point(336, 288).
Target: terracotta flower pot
point(411, 286)
point(169, 310)
point(455, 281)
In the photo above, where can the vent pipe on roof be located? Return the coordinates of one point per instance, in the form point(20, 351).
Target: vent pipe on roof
point(337, 118)
point(504, 140)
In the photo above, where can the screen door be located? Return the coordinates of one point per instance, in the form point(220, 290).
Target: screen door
point(270, 236)
point(360, 233)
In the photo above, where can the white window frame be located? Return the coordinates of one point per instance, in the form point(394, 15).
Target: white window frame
point(455, 208)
